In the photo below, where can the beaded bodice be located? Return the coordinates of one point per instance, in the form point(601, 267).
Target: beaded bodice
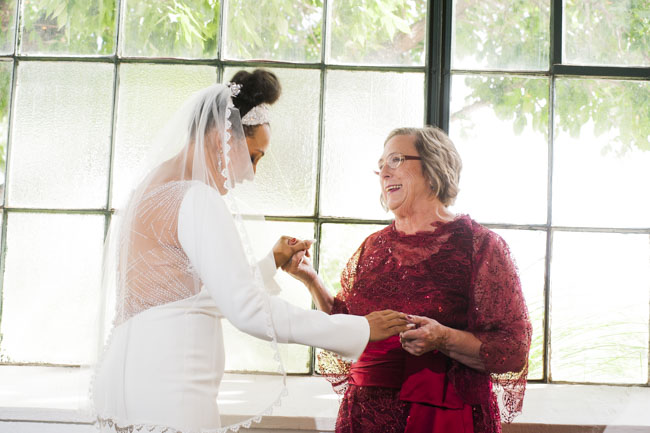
point(154, 269)
point(462, 275)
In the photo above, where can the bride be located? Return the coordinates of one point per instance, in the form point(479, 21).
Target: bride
point(181, 261)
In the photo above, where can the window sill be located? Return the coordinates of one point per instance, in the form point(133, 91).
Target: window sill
point(48, 395)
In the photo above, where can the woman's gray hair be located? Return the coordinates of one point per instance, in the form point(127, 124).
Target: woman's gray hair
point(441, 163)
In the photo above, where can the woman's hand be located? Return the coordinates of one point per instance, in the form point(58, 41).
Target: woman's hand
point(301, 268)
point(287, 246)
point(428, 335)
point(386, 323)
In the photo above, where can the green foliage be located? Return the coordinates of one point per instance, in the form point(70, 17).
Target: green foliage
point(521, 101)
point(69, 26)
point(5, 85)
point(620, 107)
point(7, 24)
point(514, 35)
point(171, 28)
point(387, 31)
point(275, 29)
point(608, 32)
point(496, 34)
point(503, 34)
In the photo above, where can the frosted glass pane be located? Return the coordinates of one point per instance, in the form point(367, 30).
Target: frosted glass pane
point(51, 287)
point(148, 97)
point(285, 182)
point(169, 28)
point(501, 34)
point(246, 353)
point(377, 32)
point(498, 125)
point(278, 30)
point(528, 249)
point(605, 32)
point(338, 243)
point(6, 69)
point(7, 26)
point(599, 313)
point(68, 27)
point(601, 152)
point(361, 108)
point(61, 135)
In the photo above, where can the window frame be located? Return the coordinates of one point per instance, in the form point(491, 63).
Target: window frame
point(437, 72)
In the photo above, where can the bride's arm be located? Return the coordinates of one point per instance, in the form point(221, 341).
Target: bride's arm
point(210, 239)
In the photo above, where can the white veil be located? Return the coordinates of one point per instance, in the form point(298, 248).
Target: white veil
point(146, 267)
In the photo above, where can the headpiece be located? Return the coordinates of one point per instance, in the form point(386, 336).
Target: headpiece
point(258, 115)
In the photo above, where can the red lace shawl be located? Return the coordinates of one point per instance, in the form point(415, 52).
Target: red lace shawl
point(462, 275)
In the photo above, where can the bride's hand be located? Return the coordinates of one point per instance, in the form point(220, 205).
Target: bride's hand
point(287, 246)
point(301, 268)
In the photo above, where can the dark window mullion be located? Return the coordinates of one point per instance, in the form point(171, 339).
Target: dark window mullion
point(610, 72)
point(433, 62)
point(556, 21)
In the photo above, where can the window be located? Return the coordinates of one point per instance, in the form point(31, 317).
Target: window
point(547, 102)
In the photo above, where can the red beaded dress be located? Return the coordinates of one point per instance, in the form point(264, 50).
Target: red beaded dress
point(460, 274)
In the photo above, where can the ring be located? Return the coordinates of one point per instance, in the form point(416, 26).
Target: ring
point(293, 241)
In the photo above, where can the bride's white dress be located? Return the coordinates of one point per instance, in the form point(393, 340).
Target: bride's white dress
point(163, 365)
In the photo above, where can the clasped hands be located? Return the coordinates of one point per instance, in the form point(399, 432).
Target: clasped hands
point(418, 335)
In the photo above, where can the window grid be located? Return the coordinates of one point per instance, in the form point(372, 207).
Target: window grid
point(437, 70)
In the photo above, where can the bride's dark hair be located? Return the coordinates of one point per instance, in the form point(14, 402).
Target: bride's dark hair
point(258, 87)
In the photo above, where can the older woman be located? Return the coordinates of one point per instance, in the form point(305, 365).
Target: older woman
point(458, 282)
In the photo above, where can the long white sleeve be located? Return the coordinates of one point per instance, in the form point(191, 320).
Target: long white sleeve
point(210, 239)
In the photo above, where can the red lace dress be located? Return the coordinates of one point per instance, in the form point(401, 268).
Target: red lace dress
point(461, 274)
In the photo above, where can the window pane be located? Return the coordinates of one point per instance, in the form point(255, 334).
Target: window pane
point(605, 32)
point(148, 97)
point(61, 135)
point(528, 248)
point(274, 30)
point(377, 33)
point(511, 35)
point(51, 287)
point(7, 26)
point(68, 27)
point(169, 28)
point(6, 69)
point(338, 243)
point(246, 353)
point(599, 312)
point(361, 108)
point(285, 182)
point(499, 125)
point(601, 153)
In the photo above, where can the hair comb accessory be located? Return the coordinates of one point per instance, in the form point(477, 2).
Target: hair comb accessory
point(234, 88)
point(258, 115)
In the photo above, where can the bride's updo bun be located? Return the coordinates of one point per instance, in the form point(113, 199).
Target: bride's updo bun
point(258, 87)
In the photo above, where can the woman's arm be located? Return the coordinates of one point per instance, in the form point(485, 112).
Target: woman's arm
point(300, 267)
point(499, 331)
point(430, 335)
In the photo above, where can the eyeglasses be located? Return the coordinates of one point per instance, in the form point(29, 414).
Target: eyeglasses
point(394, 160)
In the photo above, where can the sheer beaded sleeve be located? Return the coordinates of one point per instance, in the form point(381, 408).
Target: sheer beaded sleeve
point(335, 369)
point(499, 318)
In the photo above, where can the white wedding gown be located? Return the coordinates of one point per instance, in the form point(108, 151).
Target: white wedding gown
point(163, 365)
